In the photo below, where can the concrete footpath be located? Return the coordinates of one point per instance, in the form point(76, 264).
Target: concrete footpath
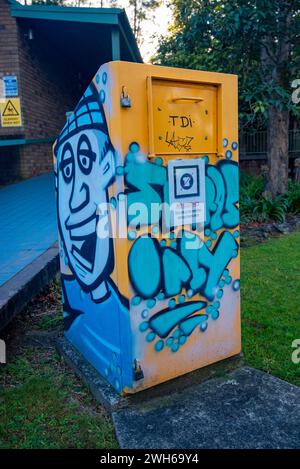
point(245, 409)
point(225, 405)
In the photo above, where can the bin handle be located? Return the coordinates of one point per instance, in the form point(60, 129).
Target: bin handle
point(188, 98)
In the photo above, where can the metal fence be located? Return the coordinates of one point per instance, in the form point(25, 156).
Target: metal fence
point(253, 145)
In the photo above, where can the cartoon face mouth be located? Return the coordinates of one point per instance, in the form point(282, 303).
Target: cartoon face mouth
point(84, 239)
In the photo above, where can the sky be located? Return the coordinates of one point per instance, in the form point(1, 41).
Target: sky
point(158, 25)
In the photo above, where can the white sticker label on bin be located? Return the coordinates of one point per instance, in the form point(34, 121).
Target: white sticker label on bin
point(187, 191)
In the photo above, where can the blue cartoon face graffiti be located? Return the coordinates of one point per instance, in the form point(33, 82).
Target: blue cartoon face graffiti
point(94, 311)
point(86, 168)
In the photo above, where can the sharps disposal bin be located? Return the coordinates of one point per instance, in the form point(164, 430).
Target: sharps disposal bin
point(147, 197)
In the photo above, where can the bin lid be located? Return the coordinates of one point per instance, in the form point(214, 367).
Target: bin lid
point(184, 116)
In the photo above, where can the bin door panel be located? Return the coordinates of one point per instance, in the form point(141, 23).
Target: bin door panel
point(184, 280)
point(184, 117)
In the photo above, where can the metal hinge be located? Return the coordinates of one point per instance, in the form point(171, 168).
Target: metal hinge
point(137, 370)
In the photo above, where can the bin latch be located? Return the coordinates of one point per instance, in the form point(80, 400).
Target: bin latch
point(137, 370)
point(191, 99)
point(125, 100)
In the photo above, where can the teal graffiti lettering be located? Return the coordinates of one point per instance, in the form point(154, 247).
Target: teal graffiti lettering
point(140, 177)
point(216, 261)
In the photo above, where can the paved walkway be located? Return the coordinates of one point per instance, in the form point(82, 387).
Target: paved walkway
point(28, 223)
point(224, 405)
point(245, 409)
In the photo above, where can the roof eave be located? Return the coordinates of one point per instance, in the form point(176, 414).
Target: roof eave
point(83, 15)
point(109, 16)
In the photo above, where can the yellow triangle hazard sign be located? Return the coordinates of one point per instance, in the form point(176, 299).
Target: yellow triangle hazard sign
point(10, 110)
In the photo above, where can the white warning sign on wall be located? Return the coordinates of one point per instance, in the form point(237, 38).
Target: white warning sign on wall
point(186, 191)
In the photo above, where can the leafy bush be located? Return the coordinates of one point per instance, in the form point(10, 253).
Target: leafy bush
point(250, 186)
point(256, 206)
point(292, 198)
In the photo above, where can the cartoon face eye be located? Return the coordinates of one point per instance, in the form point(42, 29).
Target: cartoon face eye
point(67, 163)
point(86, 156)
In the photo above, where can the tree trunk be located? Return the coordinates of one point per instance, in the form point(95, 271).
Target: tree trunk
point(275, 57)
point(277, 151)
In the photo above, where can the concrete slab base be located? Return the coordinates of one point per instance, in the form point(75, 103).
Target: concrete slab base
point(244, 409)
point(225, 405)
point(112, 401)
point(100, 389)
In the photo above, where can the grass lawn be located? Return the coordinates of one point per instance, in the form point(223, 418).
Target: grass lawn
point(43, 404)
point(45, 407)
point(270, 274)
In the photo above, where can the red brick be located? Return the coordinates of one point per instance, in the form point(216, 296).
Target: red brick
point(48, 88)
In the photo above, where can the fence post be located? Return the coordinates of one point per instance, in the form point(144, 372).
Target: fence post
point(297, 170)
point(2, 351)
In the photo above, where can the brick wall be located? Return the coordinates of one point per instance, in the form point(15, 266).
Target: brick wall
point(49, 85)
point(35, 159)
point(48, 88)
point(9, 56)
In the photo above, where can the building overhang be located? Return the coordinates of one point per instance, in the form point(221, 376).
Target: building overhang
point(84, 34)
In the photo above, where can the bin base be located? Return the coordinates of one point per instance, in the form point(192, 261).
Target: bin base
point(106, 395)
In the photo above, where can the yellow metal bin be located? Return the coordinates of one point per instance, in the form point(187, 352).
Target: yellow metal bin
point(147, 197)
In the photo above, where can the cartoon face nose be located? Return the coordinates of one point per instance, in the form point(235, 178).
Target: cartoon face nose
point(79, 198)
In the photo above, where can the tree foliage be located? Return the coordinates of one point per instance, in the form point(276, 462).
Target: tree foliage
point(50, 2)
point(258, 40)
point(141, 9)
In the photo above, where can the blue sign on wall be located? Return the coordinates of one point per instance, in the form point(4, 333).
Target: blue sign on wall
point(10, 85)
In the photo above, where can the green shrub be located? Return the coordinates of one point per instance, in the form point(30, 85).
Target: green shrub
point(256, 206)
point(251, 187)
point(292, 198)
point(268, 209)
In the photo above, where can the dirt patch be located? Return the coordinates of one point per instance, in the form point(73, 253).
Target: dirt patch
point(256, 233)
point(38, 324)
